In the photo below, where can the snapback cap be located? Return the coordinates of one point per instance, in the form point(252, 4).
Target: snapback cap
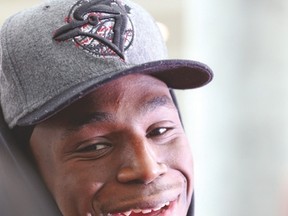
point(59, 51)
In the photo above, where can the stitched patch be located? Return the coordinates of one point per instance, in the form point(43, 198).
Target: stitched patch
point(101, 27)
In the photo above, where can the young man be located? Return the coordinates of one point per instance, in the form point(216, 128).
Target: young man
point(87, 85)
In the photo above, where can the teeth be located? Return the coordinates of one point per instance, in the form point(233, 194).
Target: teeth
point(145, 211)
point(158, 208)
point(137, 210)
point(127, 213)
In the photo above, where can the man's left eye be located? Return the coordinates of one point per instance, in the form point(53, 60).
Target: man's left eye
point(157, 132)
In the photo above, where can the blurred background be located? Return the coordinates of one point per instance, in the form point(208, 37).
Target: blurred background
point(236, 124)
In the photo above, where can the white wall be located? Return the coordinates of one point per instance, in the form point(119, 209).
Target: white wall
point(239, 122)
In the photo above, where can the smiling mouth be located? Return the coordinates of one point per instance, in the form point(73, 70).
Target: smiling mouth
point(145, 212)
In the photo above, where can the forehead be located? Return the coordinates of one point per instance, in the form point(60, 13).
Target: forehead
point(136, 84)
point(137, 92)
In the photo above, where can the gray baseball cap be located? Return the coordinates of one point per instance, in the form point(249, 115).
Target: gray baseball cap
point(57, 52)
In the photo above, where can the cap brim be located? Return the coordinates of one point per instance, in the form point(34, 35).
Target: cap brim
point(177, 74)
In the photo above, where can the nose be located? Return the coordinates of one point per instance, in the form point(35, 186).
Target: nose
point(141, 167)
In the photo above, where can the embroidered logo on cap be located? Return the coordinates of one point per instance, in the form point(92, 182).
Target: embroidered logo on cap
point(101, 27)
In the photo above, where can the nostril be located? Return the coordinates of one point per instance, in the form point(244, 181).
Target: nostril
point(141, 174)
point(163, 168)
point(125, 174)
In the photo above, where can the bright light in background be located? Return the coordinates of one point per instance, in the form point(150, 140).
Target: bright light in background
point(10, 7)
point(164, 31)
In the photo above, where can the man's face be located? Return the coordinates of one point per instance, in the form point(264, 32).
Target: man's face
point(120, 149)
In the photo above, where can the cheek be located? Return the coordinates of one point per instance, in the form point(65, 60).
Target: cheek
point(76, 187)
point(44, 160)
point(43, 145)
point(180, 155)
point(180, 158)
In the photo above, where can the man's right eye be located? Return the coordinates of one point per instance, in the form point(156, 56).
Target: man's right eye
point(98, 147)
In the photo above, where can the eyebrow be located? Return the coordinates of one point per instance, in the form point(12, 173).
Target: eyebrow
point(97, 117)
point(155, 103)
point(94, 117)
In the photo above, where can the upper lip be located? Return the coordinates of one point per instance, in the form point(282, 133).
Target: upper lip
point(139, 197)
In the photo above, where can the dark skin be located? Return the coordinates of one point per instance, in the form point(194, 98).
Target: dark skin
point(117, 150)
